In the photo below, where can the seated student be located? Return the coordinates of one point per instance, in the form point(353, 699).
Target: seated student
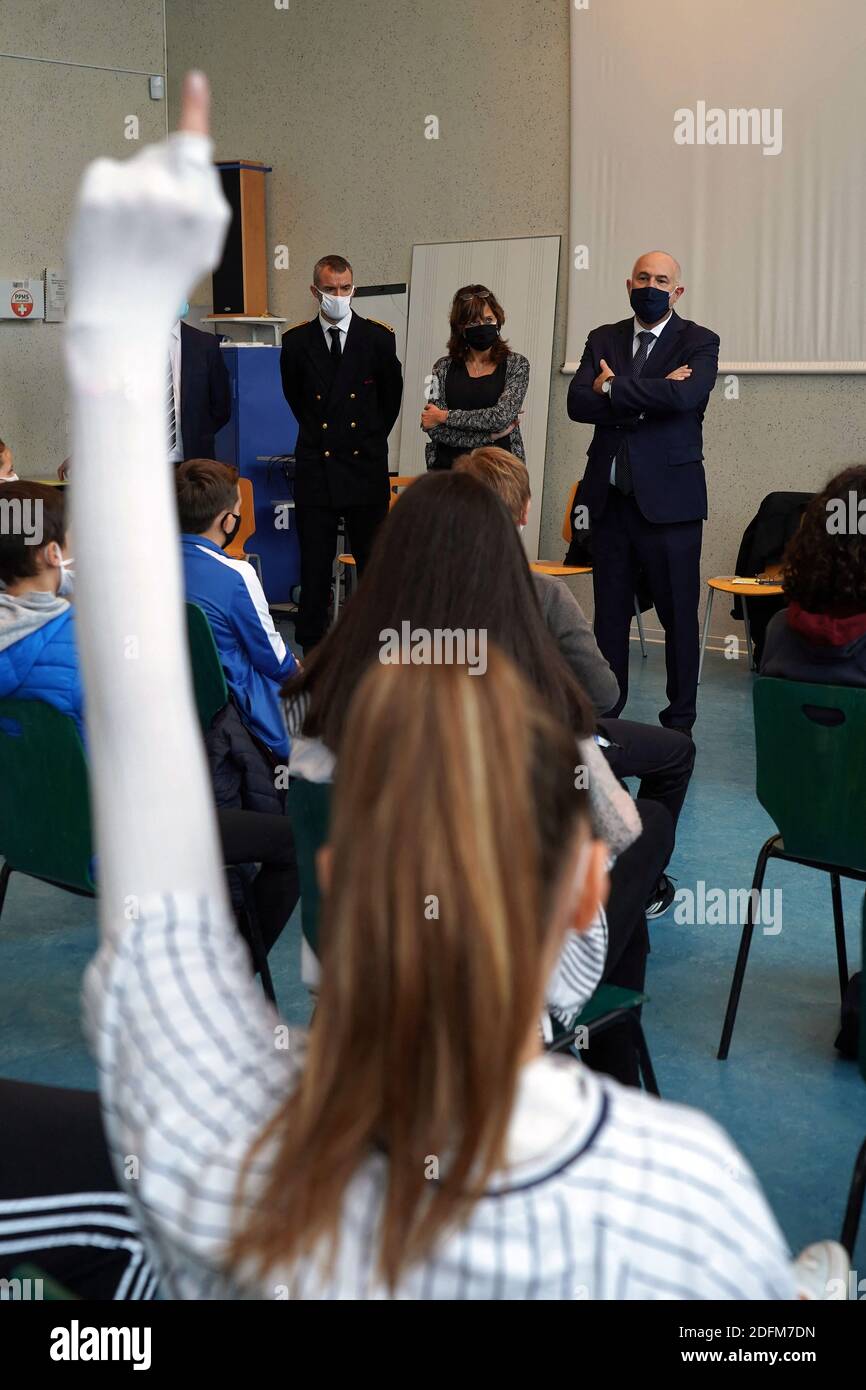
point(7, 472)
point(448, 560)
point(39, 661)
point(38, 656)
point(254, 656)
point(821, 635)
point(259, 1160)
point(663, 759)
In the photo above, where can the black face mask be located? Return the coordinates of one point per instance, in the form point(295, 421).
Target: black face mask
point(481, 335)
point(228, 536)
point(649, 303)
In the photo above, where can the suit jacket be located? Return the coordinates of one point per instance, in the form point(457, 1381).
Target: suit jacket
point(341, 456)
point(661, 420)
point(205, 392)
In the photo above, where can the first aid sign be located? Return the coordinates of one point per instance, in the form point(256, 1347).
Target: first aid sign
point(22, 299)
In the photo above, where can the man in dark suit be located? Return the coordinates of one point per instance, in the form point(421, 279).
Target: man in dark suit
point(201, 394)
point(644, 384)
point(343, 383)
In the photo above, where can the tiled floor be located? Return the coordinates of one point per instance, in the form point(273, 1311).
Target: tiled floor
point(795, 1108)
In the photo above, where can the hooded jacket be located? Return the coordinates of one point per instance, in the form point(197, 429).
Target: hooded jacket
point(38, 654)
point(803, 646)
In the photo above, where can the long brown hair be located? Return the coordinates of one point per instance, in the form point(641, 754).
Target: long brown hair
point(468, 305)
point(447, 557)
point(454, 815)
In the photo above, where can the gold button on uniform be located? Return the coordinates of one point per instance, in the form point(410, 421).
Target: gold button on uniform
point(318, 398)
point(327, 453)
point(355, 453)
point(351, 395)
point(353, 424)
point(325, 425)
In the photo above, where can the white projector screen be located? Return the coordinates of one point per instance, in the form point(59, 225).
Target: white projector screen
point(732, 136)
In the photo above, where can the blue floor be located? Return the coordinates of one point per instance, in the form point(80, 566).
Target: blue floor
point(797, 1110)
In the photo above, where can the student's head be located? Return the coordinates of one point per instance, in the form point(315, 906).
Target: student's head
point(460, 854)
point(504, 473)
point(34, 539)
point(476, 307)
point(446, 560)
point(824, 567)
point(208, 500)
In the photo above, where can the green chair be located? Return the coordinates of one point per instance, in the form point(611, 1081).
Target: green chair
point(45, 805)
point(212, 695)
point(811, 779)
point(309, 805)
point(854, 1208)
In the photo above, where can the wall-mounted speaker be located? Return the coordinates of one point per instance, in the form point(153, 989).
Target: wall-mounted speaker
point(240, 281)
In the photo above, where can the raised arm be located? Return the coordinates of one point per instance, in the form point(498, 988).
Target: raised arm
point(144, 232)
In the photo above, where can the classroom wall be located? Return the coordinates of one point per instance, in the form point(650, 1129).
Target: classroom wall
point(71, 72)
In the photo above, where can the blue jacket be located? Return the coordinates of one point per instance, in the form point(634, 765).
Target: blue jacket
point(38, 655)
point(661, 420)
point(254, 656)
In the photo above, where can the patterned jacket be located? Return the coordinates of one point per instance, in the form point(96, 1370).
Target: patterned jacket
point(470, 429)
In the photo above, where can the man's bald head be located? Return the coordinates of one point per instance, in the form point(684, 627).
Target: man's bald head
point(655, 265)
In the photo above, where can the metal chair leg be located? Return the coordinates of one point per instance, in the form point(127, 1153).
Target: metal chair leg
point(854, 1209)
point(706, 631)
point(839, 927)
point(640, 631)
point(749, 648)
point(5, 875)
point(743, 953)
point(645, 1066)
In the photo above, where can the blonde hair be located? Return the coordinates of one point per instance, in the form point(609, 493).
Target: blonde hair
point(454, 811)
point(501, 471)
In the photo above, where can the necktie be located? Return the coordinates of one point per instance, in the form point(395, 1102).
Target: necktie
point(336, 350)
point(170, 411)
point(622, 470)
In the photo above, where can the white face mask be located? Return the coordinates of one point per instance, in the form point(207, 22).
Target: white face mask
point(336, 306)
point(67, 575)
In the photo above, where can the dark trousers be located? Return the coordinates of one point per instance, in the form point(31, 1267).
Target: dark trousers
point(255, 837)
point(632, 878)
point(317, 536)
point(623, 544)
point(663, 759)
point(60, 1205)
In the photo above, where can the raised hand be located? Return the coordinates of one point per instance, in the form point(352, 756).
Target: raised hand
point(146, 229)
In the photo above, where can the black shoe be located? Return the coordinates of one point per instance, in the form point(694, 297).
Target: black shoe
point(661, 897)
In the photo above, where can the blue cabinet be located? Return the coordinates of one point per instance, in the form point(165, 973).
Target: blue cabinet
point(262, 423)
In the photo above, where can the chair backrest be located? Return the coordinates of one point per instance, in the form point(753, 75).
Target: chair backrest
point(566, 521)
point(309, 810)
point(397, 484)
point(811, 767)
point(236, 550)
point(208, 677)
point(45, 802)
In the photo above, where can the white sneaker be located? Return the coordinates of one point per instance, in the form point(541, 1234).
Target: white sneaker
point(821, 1271)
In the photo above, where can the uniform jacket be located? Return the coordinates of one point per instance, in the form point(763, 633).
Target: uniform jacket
point(205, 392)
point(343, 420)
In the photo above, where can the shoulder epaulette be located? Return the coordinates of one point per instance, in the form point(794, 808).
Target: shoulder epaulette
point(381, 324)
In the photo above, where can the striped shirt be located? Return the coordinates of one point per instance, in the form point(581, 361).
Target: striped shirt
point(606, 1193)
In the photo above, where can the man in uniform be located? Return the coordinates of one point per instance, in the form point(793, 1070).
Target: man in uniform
point(343, 383)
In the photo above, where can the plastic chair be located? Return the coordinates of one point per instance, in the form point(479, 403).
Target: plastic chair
point(346, 560)
point(854, 1206)
point(812, 734)
point(44, 838)
point(309, 806)
point(236, 549)
point(211, 696)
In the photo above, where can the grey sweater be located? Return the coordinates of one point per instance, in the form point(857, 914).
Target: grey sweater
point(573, 635)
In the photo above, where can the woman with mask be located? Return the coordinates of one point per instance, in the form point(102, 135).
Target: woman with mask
point(479, 387)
